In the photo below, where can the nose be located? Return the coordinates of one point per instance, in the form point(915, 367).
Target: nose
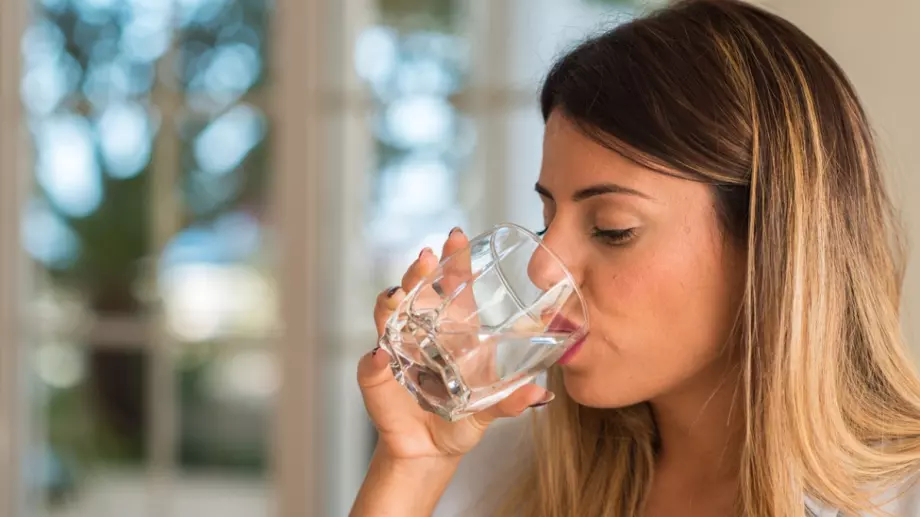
point(544, 269)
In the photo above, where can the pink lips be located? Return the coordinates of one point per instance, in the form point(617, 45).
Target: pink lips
point(570, 353)
point(561, 324)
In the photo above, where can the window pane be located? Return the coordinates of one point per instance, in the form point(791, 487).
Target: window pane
point(121, 96)
point(91, 388)
point(226, 400)
point(87, 76)
point(224, 164)
point(217, 273)
point(414, 62)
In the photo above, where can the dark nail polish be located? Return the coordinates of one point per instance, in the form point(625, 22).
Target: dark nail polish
point(392, 291)
point(546, 400)
point(455, 230)
point(375, 350)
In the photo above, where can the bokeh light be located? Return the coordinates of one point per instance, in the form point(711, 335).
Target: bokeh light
point(66, 167)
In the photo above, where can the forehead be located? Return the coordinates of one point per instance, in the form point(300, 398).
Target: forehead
point(573, 161)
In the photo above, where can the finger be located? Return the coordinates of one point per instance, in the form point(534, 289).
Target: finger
point(457, 269)
point(388, 403)
point(374, 370)
point(456, 241)
point(387, 301)
point(524, 398)
point(422, 267)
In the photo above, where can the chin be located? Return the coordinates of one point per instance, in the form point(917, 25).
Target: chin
point(597, 391)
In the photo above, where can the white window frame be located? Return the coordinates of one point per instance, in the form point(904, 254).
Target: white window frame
point(298, 69)
point(13, 165)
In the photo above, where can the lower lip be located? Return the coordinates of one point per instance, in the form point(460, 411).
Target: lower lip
point(570, 353)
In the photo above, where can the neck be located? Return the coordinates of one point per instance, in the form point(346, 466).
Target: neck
point(700, 428)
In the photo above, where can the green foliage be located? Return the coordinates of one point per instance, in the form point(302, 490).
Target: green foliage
point(618, 3)
point(409, 15)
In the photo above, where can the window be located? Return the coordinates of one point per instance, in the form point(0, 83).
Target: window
point(164, 328)
point(154, 303)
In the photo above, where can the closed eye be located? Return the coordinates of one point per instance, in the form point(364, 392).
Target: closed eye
point(610, 237)
point(615, 237)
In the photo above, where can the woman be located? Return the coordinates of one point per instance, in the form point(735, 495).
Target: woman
point(710, 179)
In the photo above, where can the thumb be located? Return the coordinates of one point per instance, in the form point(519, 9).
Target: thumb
point(374, 369)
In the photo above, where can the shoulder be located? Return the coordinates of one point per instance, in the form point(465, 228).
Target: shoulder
point(902, 500)
point(486, 471)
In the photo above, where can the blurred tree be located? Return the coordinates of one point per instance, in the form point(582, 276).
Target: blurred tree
point(409, 15)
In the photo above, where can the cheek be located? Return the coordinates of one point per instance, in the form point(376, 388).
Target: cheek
point(666, 308)
point(654, 281)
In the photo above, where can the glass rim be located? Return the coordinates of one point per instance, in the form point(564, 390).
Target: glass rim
point(536, 238)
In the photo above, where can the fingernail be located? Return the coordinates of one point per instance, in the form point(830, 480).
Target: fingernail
point(455, 230)
point(375, 350)
point(546, 400)
point(391, 291)
point(422, 253)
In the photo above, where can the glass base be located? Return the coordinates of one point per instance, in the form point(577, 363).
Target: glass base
point(425, 367)
point(430, 392)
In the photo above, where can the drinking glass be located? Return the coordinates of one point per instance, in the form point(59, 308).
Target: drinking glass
point(486, 321)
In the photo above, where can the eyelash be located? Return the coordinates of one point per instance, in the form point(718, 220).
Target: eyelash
point(614, 237)
point(610, 237)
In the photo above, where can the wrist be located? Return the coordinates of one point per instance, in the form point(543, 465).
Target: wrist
point(426, 467)
point(403, 487)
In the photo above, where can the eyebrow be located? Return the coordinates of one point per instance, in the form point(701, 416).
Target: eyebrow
point(594, 190)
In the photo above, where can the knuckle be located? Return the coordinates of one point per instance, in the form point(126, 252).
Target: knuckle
point(382, 311)
point(479, 423)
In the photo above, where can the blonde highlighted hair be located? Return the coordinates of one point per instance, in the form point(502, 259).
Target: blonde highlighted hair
point(732, 95)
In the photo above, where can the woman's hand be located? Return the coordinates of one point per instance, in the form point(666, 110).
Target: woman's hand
point(418, 451)
point(407, 431)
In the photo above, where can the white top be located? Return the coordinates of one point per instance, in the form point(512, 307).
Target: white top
point(477, 486)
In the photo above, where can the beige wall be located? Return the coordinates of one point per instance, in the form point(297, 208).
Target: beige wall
point(877, 43)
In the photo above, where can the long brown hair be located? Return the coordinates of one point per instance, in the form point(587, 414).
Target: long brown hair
point(732, 95)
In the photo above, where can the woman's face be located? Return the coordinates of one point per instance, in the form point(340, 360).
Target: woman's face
point(662, 281)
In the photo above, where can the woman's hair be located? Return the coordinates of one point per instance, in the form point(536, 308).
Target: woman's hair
point(731, 95)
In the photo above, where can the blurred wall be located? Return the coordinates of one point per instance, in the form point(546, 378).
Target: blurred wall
point(876, 43)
